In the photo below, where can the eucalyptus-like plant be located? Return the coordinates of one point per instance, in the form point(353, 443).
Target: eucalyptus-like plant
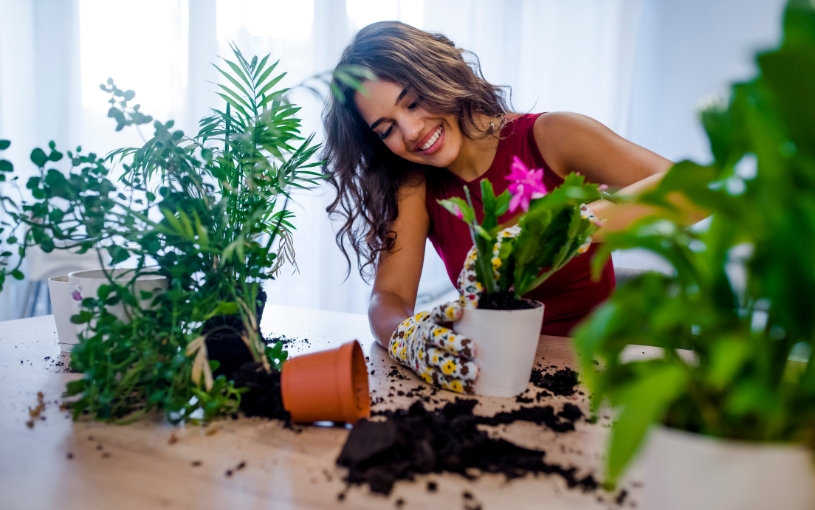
point(208, 212)
point(740, 295)
point(553, 226)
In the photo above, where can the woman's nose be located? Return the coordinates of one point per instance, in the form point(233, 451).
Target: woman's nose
point(413, 130)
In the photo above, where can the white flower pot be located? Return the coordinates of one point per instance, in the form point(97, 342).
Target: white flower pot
point(690, 471)
point(506, 342)
point(86, 284)
point(61, 304)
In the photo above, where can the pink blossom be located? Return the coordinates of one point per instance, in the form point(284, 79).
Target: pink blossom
point(458, 213)
point(603, 187)
point(526, 185)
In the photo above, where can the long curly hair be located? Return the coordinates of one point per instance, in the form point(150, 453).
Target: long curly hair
point(364, 172)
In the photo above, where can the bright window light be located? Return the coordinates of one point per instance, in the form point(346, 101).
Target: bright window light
point(365, 12)
point(276, 19)
point(142, 45)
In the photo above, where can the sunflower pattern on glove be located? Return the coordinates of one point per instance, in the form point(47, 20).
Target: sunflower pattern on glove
point(427, 346)
point(468, 286)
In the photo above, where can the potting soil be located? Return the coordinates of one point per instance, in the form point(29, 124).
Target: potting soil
point(416, 441)
point(563, 382)
point(264, 397)
point(503, 301)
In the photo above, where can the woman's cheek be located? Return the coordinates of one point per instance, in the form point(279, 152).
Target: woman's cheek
point(397, 147)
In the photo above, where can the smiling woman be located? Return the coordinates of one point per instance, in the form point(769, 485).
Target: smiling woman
point(426, 129)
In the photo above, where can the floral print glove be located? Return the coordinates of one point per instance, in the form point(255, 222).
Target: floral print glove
point(427, 346)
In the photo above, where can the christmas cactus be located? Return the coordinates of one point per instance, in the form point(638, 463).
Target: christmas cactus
point(547, 228)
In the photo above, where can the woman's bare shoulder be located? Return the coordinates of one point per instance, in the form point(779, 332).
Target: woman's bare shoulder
point(412, 188)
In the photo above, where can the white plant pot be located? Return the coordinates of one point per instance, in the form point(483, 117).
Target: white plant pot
point(690, 471)
point(506, 343)
point(61, 304)
point(84, 284)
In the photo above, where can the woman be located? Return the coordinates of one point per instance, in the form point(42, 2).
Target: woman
point(426, 127)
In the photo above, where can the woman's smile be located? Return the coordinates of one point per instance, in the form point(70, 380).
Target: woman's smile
point(431, 142)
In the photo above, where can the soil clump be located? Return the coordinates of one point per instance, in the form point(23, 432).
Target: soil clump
point(416, 441)
point(264, 397)
point(224, 343)
point(563, 382)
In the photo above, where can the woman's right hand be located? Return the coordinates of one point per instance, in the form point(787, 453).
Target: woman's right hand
point(427, 345)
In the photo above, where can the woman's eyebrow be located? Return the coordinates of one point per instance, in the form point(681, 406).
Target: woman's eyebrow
point(398, 100)
point(401, 95)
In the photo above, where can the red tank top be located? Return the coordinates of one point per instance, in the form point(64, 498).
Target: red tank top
point(568, 295)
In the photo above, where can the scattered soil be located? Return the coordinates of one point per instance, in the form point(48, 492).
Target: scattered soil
point(503, 301)
point(563, 382)
point(290, 344)
point(416, 441)
point(264, 397)
point(35, 413)
point(562, 421)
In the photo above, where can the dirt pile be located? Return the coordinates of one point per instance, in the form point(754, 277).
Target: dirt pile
point(416, 441)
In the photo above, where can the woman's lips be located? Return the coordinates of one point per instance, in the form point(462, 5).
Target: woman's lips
point(432, 142)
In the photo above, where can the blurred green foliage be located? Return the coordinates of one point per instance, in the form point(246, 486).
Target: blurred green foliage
point(741, 293)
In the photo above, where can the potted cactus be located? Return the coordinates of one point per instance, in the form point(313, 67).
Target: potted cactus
point(506, 263)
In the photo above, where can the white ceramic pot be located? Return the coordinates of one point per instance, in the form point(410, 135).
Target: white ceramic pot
point(691, 471)
point(506, 342)
point(85, 284)
point(62, 305)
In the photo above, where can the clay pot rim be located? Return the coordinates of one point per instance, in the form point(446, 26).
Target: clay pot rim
point(345, 372)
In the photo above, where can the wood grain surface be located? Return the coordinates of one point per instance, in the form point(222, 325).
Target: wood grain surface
point(60, 464)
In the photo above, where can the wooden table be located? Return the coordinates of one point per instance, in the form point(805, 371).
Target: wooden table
point(150, 464)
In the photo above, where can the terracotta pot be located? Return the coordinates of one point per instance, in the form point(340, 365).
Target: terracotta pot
point(327, 385)
point(506, 343)
point(683, 470)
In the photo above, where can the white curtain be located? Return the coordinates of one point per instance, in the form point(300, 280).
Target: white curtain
point(619, 61)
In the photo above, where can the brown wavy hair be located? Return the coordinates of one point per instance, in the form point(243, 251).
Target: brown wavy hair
point(364, 172)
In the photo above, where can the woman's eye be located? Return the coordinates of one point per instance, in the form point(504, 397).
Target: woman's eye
point(413, 105)
point(387, 133)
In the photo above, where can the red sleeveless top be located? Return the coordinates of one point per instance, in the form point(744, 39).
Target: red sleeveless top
point(568, 295)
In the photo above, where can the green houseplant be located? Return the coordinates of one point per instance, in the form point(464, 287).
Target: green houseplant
point(208, 212)
point(740, 294)
point(505, 263)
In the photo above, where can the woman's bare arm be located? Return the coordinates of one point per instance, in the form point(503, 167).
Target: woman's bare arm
point(397, 276)
point(576, 143)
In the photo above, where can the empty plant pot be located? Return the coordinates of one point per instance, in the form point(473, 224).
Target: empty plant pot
point(328, 385)
point(60, 292)
point(84, 284)
point(684, 470)
point(506, 343)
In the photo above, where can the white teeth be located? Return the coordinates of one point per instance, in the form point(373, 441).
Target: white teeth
point(432, 140)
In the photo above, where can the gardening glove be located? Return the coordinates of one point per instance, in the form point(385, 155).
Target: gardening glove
point(425, 344)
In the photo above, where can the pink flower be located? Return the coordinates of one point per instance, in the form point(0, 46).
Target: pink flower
point(458, 213)
point(525, 185)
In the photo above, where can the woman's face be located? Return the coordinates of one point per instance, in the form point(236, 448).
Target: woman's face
point(395, 114)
